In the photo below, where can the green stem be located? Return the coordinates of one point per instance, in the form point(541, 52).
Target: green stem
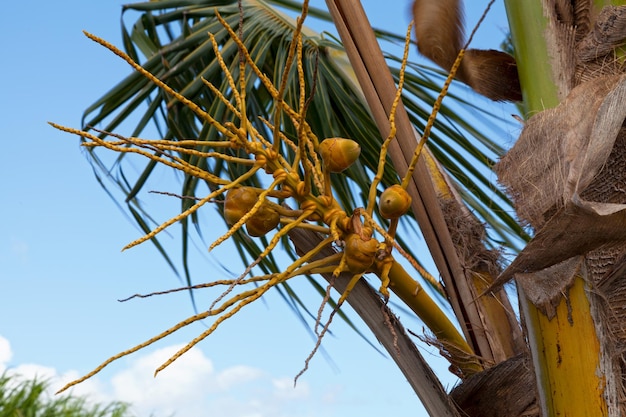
point(528, 27)
point(418, 300)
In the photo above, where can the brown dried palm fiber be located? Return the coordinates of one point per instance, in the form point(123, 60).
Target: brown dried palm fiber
point(605, 264)
point(608, 32)
point(468, 235)
point(507, 389)
point(582, 18)
point(440, 37)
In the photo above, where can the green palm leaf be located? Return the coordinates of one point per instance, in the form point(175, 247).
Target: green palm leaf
point(171, 36)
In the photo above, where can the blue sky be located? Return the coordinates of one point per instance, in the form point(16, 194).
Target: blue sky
point(62, 272)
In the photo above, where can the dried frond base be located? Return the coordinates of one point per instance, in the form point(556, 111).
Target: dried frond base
point(507, 389)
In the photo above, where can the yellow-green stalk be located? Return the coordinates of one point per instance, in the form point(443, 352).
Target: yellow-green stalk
point(566, 350)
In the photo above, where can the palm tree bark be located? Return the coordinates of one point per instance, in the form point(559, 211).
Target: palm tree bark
point(569, 326)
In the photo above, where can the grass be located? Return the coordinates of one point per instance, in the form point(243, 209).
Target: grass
point(20, 397)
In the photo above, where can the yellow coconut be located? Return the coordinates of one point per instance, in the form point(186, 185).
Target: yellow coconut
point(238, 202)
point(360, 253)
point(339, 153)
point(394, 202)
point(264, 220)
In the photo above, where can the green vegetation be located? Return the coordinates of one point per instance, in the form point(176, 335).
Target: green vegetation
point(21, 397)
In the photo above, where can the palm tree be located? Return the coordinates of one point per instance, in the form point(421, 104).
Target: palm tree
point(261, 77)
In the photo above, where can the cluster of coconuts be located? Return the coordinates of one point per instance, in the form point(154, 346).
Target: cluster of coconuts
point(337, 155)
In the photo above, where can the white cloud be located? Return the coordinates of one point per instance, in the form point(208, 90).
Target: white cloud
point(190, 387)
point(177, 389)
point(237, 375)
point(284, 389)
point(33, 371)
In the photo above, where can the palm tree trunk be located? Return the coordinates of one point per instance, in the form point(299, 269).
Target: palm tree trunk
point(568, 337)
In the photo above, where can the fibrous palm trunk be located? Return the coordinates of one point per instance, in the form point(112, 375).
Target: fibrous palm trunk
point(566, 175)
